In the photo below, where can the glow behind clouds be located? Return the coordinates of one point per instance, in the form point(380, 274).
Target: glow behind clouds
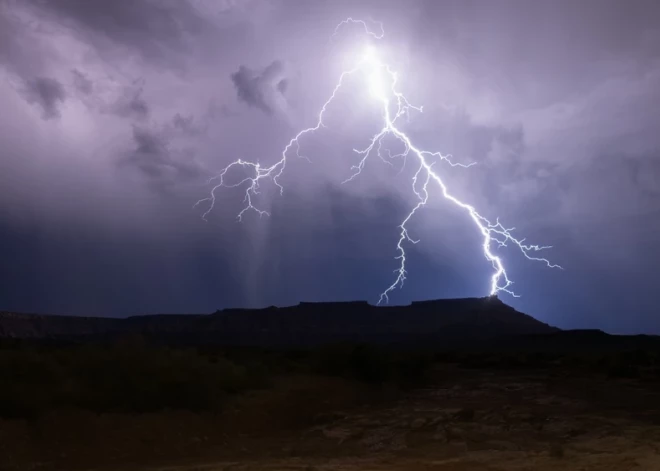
point(382, 80)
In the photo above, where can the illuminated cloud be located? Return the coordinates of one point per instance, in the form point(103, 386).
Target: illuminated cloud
point(556, 104)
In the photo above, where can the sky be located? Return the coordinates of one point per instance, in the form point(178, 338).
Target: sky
point(115, 115)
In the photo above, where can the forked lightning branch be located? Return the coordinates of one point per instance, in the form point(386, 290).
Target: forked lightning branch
point(381, 83)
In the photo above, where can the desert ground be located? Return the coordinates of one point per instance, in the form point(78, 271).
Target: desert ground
point(466, 418)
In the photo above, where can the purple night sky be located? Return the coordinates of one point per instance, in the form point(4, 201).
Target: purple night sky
point(114, 115)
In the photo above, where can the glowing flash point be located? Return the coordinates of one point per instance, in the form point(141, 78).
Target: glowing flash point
point(377, 86)
point(381, 81)
point(370, 55)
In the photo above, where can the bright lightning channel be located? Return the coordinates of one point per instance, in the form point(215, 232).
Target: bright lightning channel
point(381, 82)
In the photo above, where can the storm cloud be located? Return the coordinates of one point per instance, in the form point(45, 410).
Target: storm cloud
point(163, 165)
point(263, 89)
point(131, 104)
point(81, 82)
point(46, 93)
point(117, 113)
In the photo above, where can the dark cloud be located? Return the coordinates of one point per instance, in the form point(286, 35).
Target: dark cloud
point(47, 93)
point(8, 31)
point(159, 161)
point(557, 103)
point(186, 125)
point(21, 52)
point(81, 82)
point(131, 104)
point(262, 89)
point(155, 29)
point(215, 111)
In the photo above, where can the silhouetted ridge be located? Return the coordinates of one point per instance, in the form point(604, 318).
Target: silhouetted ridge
point(308, 323)
point(332, 304)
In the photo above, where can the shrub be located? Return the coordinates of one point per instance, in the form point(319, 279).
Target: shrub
point(120, 378)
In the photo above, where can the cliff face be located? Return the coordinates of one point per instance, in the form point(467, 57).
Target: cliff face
point(305, 324)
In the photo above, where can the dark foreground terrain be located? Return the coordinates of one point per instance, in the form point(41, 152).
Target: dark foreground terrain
point(133, 406)
point(514, 395)
point(306, 324)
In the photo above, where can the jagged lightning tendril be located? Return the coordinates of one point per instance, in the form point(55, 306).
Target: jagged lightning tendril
point(363, 24)
point(382, 81)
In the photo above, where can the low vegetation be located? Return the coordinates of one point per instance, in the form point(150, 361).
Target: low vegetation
point(130, 376)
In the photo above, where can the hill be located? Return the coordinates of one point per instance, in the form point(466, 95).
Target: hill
point(306, 324)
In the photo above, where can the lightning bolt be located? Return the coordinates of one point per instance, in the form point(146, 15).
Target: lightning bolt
point(363, 24)
point(382, 82)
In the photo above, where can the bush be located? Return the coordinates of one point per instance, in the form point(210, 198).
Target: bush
point(128, 379)
point(29, 383)
point(622, 370)
point(135, 377)
point(371, 365)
